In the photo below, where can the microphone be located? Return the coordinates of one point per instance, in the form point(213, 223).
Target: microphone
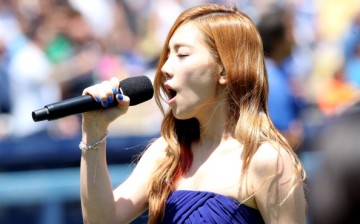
point(138, 88)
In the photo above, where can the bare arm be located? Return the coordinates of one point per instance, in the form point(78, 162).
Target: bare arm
point(100, 204)
point(97, 199)
point(270, 173)
point(130, 197)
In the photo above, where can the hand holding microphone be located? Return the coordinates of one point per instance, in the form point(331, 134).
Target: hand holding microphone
point(139, 89)
point(113, 103)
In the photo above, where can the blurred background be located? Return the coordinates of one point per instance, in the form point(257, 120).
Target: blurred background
point(51, 50)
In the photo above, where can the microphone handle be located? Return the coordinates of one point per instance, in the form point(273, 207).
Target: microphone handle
point(68, 107)
point(139, 89)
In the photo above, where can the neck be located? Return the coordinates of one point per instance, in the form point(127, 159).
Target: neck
point(212, 128)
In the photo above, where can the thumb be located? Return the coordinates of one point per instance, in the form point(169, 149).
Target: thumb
point(122, 100)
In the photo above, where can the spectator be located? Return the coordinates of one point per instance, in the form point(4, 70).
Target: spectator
point(334, 189)
point(4, 82)
point(275, 27)
point(5, 105)
point(353, 67)
point(336, 93)
point(29, 75)
point(74, 53)
point(352, 52)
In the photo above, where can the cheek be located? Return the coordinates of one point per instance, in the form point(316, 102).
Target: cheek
point(203, 87)
point(200, 77)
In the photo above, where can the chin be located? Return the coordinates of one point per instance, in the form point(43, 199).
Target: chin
point(182, 116)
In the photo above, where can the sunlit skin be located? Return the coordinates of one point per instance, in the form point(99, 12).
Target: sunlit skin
point(192, 73)
point(196, 89)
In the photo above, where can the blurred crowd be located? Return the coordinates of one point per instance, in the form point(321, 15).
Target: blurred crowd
point(51, 50)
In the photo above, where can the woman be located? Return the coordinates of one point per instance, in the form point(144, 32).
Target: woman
point(219, 158)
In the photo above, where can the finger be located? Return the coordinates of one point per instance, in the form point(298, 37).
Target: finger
point(101, 95)
point(115, 84)
point(108, 89)
point(88, 90)
point(122, 100)
point(92, 91)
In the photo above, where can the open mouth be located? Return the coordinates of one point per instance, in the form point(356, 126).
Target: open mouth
point(171, 94)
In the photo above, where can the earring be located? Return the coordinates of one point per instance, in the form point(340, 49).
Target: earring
point(223, 78)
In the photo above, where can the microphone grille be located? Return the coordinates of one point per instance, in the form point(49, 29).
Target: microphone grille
point(138, 88)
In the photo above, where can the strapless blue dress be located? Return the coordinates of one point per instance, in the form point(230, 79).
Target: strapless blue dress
point(186, 206)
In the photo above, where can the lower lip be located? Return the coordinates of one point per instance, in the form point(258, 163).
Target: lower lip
point(170, 101)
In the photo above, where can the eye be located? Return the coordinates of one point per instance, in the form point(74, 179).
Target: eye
point(182, 55)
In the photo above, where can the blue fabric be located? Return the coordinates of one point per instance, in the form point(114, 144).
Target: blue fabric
point(186, 206)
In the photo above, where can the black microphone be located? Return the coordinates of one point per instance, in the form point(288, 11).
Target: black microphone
point(138, 88)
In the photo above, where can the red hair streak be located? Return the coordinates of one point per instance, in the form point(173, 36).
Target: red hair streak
point(186, 159)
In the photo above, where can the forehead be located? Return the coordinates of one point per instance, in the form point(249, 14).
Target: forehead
point(188, 35)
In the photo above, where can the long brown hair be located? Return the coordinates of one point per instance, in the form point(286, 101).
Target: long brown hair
point(235, 44)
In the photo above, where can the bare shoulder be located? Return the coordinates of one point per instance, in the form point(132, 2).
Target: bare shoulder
point(156, 150)
point(141, 175)
point(153, 154)
point(270, 160)
point(148, 161)
point(278, 194)
point(131, 195)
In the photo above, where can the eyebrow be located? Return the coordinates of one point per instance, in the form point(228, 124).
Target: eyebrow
point(178, 45)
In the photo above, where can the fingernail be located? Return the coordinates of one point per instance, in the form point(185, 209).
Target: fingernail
point(110, 99)
point(97, 99)
point(105, 104)
point(120, 97)
point(114, 90)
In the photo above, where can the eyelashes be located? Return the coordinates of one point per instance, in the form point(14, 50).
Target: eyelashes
point(182, 55)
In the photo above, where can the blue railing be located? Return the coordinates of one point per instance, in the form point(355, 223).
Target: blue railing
point(40, 176)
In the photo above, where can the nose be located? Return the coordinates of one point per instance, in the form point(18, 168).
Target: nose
point(167, 70)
